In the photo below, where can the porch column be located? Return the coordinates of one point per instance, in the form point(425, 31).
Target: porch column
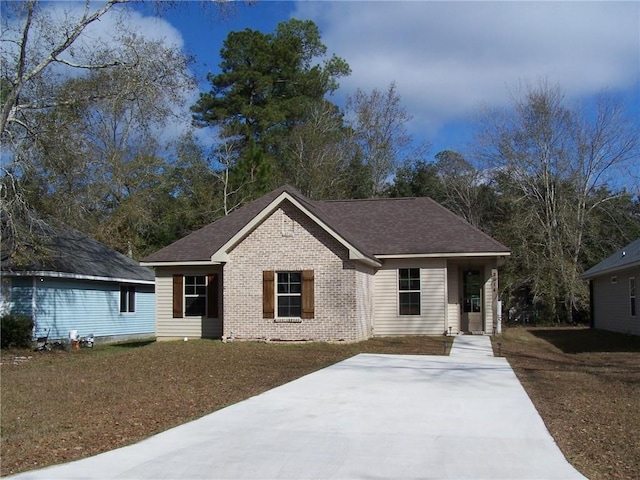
point(494, 299)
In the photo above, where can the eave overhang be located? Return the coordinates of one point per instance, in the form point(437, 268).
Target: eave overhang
point(501, 257)
point(189, 263)
point(610, 270)
point(75, 276)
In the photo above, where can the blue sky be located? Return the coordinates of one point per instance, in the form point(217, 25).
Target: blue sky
point(450, 59)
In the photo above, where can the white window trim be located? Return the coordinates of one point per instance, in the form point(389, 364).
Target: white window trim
point(127, 294)
point(277, 317)
point(419, 291)
point(185, 296)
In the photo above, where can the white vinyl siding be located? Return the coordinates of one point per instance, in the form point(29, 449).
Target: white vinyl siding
point(431, 321)
point(364, 300)
point(168, 327)
point(611, 303)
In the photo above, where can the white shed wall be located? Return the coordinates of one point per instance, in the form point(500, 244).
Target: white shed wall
point(611, 302)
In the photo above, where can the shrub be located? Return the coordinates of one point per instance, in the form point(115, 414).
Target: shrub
point(15, 331)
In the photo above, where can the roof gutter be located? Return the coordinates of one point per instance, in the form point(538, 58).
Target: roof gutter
point(447, 255)
point(75, 276)
point(193, 263)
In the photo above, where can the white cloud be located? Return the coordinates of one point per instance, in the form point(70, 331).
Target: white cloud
point(447, 58)
point(54, 20)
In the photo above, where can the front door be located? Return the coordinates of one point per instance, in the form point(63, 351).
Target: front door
point(471, 320)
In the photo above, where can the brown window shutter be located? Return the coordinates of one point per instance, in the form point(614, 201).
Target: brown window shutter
point(307, 294)
point(268, 298)
point(212, 295)
point(178, 296)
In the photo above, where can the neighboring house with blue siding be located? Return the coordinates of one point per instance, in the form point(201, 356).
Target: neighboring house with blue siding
point(83, 285)
point(613, 285)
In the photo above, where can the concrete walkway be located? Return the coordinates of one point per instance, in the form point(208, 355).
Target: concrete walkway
point(464, 416)
point(471, 347)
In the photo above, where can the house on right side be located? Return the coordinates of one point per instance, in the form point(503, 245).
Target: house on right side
point(613, 287)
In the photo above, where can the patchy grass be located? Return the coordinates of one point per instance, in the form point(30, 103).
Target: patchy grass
point(60, 406)
point(586, 385)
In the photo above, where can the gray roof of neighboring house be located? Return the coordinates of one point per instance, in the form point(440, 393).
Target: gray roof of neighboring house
point(390, 226)
point(628, 256)
point(72, 252)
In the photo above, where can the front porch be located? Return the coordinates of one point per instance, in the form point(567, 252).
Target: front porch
point(472, 296)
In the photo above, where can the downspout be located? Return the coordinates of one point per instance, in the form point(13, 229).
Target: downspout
point(33, 303)
point(592, 322)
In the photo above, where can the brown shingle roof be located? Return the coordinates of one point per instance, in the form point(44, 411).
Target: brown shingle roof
point(201, 244)
point(405, 226)
point(392, 226)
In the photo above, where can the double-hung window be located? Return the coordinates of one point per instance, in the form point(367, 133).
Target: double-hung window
point(195, 295)
point(409, 291)
point(632, 295)
point(127, 299)
point(289, 296)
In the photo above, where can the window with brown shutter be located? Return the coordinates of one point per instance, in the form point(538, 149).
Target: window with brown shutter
point(308, 294)
point(195, 295)
point(212, 296)
point(178, 292)
point(268, 297)
point(288, 295)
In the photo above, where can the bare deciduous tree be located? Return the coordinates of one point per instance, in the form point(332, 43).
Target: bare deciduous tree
point(59, 77)
point(318, 153)
point(556, 160)
point(379, 121)
point(464, 188)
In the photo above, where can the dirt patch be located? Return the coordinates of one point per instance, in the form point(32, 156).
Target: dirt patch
point(586, 385)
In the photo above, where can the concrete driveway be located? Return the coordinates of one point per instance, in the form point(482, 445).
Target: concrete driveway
point(464, 416)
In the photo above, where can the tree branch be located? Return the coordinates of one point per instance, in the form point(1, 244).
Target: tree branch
point(9, 108)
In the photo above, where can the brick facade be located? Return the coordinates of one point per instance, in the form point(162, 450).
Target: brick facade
point(289, 241)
